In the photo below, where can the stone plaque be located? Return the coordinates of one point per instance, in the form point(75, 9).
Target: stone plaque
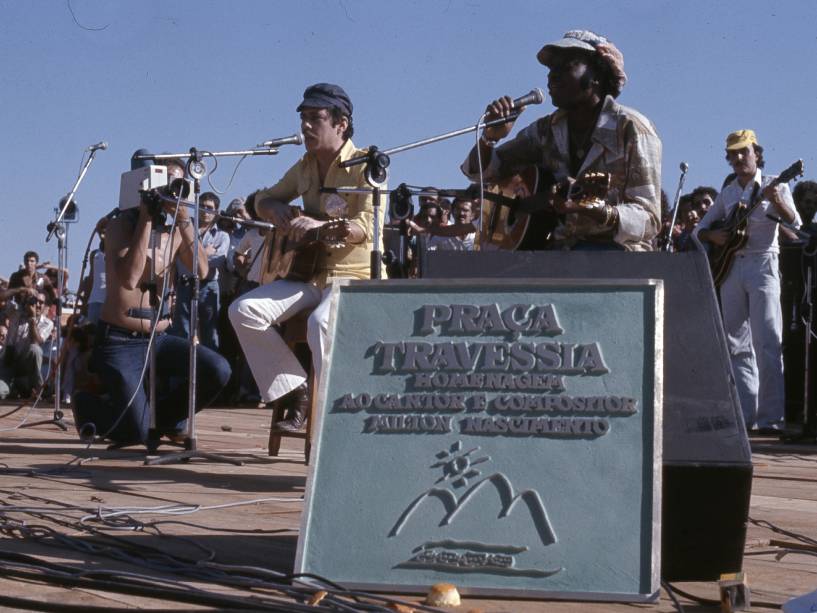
point(501, 435)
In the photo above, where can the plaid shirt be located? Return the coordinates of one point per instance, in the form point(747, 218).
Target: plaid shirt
point(624, 144)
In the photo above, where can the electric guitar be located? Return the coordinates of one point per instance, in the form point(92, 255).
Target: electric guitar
point(721, 257)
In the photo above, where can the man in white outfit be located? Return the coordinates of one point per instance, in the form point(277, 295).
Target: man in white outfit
point(750, 293)
point(326, 122)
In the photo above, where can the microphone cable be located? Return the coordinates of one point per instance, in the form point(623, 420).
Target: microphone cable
point(215, 167)
point(480, 125)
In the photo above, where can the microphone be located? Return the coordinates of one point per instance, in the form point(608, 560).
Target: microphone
point(684, 167)
point(535, 96)
point(101, 145)
point(295, 139)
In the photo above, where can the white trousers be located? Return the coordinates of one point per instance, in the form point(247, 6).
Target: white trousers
point(753, 322)
point(275, 368)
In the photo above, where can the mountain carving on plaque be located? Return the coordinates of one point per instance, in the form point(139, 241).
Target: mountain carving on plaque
point(471, 490)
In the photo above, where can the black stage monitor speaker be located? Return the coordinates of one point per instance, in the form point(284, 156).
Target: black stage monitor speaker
point(707, 460)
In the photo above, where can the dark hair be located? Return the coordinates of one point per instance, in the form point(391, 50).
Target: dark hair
point(704, 190)
point(337, 116)
point(211, 196)
point(31, 254)
point(758, 154)
point(802, 187)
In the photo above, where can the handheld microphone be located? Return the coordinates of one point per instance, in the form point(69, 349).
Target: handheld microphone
point(535, 96)
point(684, 167)
point(101, 145)
point(295, 139)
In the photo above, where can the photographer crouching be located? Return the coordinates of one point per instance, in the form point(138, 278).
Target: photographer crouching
point(120, 353)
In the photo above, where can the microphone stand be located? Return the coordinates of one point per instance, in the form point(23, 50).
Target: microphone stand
point(376, 256)
point(684, 168)
point(197, 170)
point(58, 228)
point(376, 174)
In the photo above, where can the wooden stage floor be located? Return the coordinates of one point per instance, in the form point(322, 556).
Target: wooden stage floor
point(250, 515)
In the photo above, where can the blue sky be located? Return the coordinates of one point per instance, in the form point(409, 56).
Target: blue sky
point(227, 75)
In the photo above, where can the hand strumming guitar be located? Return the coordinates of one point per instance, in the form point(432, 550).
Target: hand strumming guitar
point(584, 196)
point(299, 226)
point(772, 193)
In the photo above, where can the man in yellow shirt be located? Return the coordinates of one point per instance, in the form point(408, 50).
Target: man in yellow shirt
point(326, 123)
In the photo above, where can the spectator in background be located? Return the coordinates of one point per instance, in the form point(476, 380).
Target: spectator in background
point(236, 231)
point(702, 199)
point(445, 212)
point(460, 235)
point(216, 244)
point(429, 213)
point(805, 199)
point(27, 281)
point(247, 258)
point(7, 309)
point(686, 221)
point(24, 355)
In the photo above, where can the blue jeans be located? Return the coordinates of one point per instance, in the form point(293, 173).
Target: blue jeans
point(208, 311)
point(118, 358)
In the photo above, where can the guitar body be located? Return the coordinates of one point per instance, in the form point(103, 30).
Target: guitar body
point(721, 257)
point(504, 227)
point(290, 264)
point(300, 260)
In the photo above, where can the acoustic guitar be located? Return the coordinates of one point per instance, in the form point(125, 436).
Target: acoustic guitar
point(516, 215)
point(736, 224)
point(299, 260)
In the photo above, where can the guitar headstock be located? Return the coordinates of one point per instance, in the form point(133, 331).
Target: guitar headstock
point(334, 233)
point(792, 172)
point(590, 189)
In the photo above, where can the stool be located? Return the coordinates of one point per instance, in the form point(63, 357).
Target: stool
point(294, 335)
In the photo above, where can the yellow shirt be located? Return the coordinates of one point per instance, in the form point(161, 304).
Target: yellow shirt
point(303, 179)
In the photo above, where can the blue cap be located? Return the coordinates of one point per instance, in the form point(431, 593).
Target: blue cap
point(326, 96)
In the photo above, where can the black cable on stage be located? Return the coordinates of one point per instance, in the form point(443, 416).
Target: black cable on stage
point(762, 523)
point(159, 561)
point(130, 583)
point(669, 590)
point(55, 607)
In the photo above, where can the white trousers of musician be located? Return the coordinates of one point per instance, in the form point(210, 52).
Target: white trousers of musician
point(275, 368)
point(753, 322)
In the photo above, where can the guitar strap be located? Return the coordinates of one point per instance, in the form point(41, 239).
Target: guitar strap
point(752, 204)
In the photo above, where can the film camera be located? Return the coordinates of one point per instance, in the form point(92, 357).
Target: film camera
point(150, 183)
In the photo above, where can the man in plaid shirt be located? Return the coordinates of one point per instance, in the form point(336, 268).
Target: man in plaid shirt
point(589, 132)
